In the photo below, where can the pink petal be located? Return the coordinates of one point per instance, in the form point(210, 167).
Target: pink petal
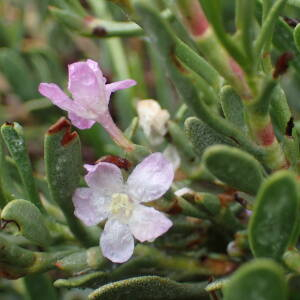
point(80, 122)
point(120, 85)
point(105, 179)
point(90, 208)
point(87, 88)
point(56, 95)
point(151, 178)
point(95, 67)
point(116, 241)
point(146, 223)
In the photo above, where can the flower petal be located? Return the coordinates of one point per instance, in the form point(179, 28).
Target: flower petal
point(116, 241)
point(146, 223)
point(153, 120)
point(105, 178)
point(90, 208)
point(56, 95)
point(95, 67)
point(80, 122)
point(87, 88)
point(120, 85)
point(151, 178)
point(173, 156)
point(90, 168)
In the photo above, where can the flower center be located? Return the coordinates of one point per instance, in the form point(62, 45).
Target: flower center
point(121, 205)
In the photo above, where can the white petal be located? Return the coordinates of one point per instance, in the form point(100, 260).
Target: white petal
point(153, 120)
point(172, 155)
point(105, 178)
point(116, 241)
point(151, 178)
point(146, 223)
point(89, 207)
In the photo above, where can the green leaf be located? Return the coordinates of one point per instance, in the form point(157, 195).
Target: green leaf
point(279, 110)
point(28, 219)
point(17, 261)
point(294, 2)
point(82, 260)
point(284, 41)
point(63, 169)
point(43, 290)
point(273, 225)
point(292, 259)
point(209, 202)
point(297, 36)
point(132, 128)
point(149, 288)
point(198, 64)
point(18, 74)
point(259, 279)
point(90, 280)
point(165, 41)
point(133, 267)
point(14, 140)
point(294, 287)
point(4, 178)
point(234, 167)
point(181, 141)
point(203, 136)
point(233, 107)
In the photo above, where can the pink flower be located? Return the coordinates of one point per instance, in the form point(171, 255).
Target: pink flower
point(91, 96)
point(108, 197)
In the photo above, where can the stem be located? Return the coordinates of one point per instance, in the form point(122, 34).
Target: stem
point(246, 26)
point(213, 11)
point(184, 81)
point(268, 26)
point(267, 4)
point(261, 127)
point(116, 134)
point(193, 16)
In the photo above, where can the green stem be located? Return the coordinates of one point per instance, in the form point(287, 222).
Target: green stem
point(268, 26)
point(213, 11)
point(166, 45)
point(246, 26)
point(267, 4)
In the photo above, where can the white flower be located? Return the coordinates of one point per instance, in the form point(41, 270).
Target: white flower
point(108, 197)
point(153, 120)
point(173, 156)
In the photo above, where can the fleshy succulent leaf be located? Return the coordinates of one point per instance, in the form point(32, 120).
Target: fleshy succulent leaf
point(29, 220)
point(230, 164)
point(274, 223)
point(260, 278)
